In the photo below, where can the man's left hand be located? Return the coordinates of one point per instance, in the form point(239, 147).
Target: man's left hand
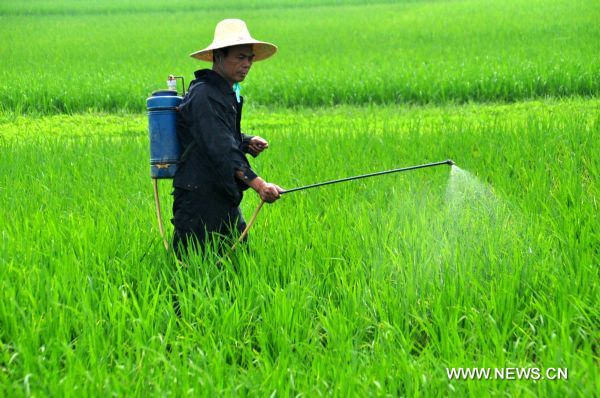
point(257, 144)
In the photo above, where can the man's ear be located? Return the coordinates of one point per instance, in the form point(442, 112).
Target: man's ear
point(217, 56)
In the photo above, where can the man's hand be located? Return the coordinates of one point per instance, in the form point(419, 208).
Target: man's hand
point(267, 191)
point(257, 144)
point(270, 192)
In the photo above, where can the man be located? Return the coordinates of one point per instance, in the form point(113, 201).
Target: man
point(214, 171)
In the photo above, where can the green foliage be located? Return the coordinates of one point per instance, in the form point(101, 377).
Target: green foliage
point(77, 7)
point(108, 56)
point(366, 288)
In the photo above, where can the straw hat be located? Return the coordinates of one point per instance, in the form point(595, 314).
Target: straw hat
point(233, 32)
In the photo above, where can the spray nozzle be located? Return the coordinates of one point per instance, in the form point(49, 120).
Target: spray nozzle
point(450, 162)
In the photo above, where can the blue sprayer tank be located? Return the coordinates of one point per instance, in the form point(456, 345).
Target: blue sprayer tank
point(162, 127)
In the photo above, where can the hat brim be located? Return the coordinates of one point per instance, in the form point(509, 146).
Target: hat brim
point(262, 50)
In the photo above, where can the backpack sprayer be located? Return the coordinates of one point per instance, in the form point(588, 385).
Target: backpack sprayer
point(165, 151)
point(162, 108)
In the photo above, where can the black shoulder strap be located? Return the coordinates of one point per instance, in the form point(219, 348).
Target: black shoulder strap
point(192, 145)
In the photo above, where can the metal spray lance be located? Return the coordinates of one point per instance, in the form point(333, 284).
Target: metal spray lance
point(448, 162)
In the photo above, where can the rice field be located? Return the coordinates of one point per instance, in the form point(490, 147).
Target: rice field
point(108, 56)
point(370, 288)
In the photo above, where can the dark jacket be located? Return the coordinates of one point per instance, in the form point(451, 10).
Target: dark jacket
point(212, 145)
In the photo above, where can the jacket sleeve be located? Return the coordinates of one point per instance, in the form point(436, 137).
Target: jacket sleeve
point(212, 131)
point(245, 142)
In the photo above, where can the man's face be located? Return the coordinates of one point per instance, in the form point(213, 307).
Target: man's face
point(236, 65)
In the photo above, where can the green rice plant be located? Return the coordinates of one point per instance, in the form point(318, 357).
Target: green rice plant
point(373, 287)
point(109, 56)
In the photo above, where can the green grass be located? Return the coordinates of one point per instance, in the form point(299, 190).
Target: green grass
point(367, 288)
point(108, 56)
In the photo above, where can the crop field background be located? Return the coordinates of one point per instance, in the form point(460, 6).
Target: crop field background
point(370, 288)
point(89, 55)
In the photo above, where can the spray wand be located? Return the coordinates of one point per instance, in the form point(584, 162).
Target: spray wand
point(448, 162)
point(320, 184)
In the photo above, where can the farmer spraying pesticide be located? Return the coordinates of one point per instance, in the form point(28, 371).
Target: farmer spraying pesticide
point(213, 170)
point(197, 141)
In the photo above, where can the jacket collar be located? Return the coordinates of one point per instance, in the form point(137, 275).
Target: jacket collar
point(210, 76)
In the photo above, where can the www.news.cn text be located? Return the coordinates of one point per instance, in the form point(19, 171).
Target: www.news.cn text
point(507, 373)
